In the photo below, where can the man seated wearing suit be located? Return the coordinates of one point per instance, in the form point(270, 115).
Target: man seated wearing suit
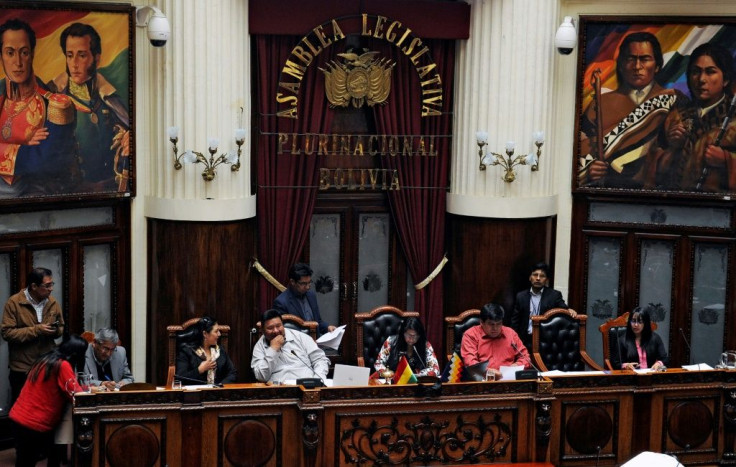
point(106, 361)
point(534, 302)
point(299, 299)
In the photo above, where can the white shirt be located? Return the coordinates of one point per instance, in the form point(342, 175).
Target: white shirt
point(38, 306)
point(306, 361)
point(638, 95)
point(534, 301)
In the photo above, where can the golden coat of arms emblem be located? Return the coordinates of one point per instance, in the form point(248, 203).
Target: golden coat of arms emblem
point(360, 80)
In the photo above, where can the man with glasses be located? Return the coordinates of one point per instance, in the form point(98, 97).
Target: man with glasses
point(107, 361)
point(299, 299)
point(492, 342)
point(31, 321)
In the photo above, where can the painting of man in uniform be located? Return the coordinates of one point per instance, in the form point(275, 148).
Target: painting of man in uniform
point(643, 124)
point(81, 143)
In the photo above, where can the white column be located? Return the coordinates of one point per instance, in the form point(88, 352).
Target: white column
point(200, 82)
point(503, 86)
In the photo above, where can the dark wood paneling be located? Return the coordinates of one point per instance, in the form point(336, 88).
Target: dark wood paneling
point(197, 269)
point(490, 259)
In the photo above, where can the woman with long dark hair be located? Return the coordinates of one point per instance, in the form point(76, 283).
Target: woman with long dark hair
point(411, 341)
point(642, 348)
point(50, 385)
point(203, 359)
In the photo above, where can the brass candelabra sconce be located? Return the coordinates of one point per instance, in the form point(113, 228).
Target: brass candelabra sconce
point(210, 163)
point(508, 161)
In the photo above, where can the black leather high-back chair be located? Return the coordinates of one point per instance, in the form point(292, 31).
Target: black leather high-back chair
point(455, 327)
point(295, 323)
point(374, 327)
point(558, 342)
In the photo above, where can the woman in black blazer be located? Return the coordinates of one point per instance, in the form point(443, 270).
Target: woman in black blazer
point(203, 360)
point(642, 348)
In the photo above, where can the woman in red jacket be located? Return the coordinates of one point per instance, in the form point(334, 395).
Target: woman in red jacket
point(51, 382)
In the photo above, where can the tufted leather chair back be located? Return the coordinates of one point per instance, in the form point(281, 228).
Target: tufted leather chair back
point(455, 327)
point(374, 328)
point(558, 342)
point(295, 323)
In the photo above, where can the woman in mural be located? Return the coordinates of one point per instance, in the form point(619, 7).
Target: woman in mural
point(702, 148)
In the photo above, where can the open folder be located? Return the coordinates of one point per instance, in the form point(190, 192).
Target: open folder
point(331, 340)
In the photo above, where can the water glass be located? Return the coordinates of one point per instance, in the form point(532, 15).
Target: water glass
point(490, 375)
point(85, 382)
point(176, 384)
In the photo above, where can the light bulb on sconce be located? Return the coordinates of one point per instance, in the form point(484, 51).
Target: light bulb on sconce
point(508, 162)
point(232, 157)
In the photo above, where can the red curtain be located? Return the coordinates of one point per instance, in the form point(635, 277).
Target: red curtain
point(418, 208)
point(287, 184)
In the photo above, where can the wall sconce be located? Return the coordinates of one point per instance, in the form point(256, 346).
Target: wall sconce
point(210, 164)
point(508, 162)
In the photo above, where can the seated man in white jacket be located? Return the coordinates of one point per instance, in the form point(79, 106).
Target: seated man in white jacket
point(282, 354)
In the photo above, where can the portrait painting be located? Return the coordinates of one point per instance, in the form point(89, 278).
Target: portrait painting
point(656, 106)
point(66, 94)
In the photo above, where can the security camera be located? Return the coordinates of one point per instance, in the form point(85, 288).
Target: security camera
point(566, 38)
point(158, 25)
point(158, 30)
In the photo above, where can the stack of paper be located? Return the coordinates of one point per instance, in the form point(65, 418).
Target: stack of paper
point(332, 340)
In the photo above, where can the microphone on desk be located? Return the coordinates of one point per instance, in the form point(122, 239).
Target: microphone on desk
point(529, 360)
point(293, 352)
point(196, 381)
point(620, 351)
point(420, 358)
point(687, 343)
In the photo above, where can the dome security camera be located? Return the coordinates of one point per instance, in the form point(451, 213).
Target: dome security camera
point(566, 38)
point(157, 25)
point(158, 30)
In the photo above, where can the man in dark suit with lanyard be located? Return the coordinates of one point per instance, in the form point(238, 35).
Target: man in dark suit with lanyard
point(534, 302)
point(299, 299)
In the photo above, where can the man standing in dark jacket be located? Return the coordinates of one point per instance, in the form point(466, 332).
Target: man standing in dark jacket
point(299, 299)
point(534, 302)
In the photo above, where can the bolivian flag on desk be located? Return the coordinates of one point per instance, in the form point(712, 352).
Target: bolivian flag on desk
point(403, 374)
point(454, 370)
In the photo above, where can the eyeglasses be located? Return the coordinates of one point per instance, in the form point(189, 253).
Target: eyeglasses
point(304, 283)
point(107, 349)
point(47, 285)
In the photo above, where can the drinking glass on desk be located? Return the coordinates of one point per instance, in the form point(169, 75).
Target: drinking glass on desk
point(85, 381)
point(490, 375)
point(176, 384)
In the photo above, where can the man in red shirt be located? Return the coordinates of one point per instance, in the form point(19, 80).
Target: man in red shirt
point(492, 342)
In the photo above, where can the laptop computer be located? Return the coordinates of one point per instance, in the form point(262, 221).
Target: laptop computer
point(348, 375)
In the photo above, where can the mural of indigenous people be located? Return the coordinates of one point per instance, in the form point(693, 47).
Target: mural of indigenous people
point(645, 125)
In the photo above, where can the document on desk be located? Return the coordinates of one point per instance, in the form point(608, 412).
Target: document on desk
point(697, 367)
point(332, 339)
point(508, 373)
